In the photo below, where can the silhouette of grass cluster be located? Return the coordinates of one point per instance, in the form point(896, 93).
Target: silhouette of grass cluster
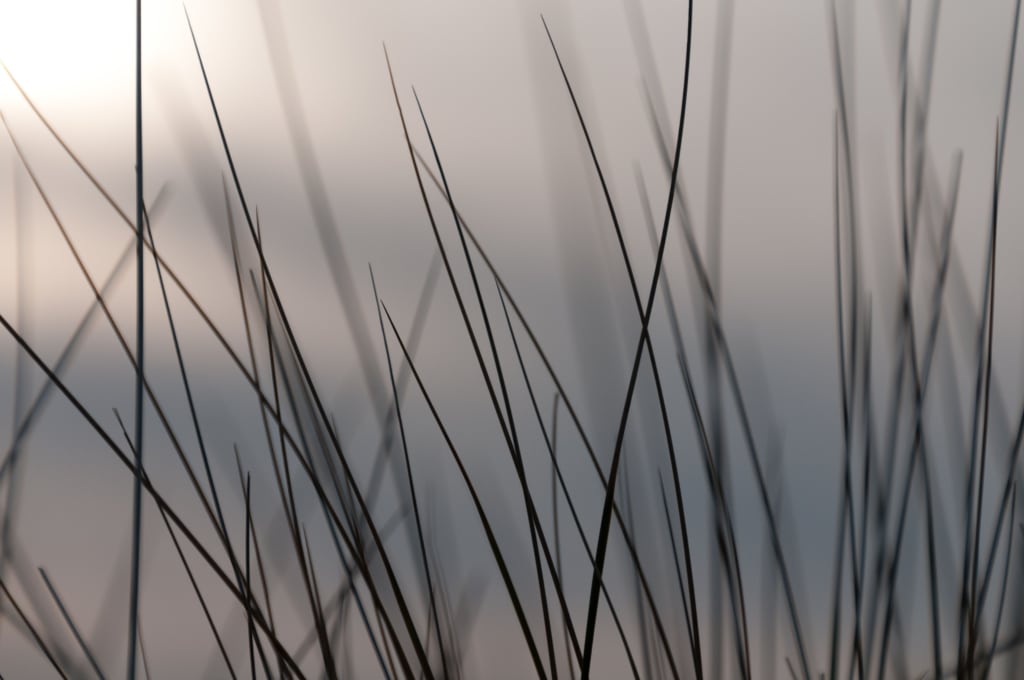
point(379, 591)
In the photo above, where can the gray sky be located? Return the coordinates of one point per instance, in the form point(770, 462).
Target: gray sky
point(513, 153)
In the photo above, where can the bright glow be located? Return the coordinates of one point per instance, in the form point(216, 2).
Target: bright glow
point(68, 49)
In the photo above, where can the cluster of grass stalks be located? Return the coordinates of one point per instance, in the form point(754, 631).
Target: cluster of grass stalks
point(374, 591)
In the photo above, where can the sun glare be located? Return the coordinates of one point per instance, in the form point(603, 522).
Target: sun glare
point(67, 49)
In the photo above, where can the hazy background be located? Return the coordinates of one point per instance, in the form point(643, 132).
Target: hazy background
point(514, 155)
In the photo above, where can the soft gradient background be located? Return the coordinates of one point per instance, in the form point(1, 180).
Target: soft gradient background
point(514, 154)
